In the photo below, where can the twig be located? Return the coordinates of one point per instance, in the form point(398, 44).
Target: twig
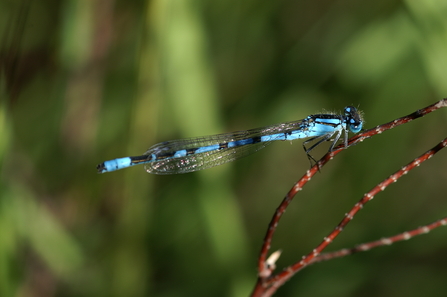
point(267, 284)
point(384, 241)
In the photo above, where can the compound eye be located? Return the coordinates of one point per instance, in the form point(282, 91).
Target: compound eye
point(355, 126)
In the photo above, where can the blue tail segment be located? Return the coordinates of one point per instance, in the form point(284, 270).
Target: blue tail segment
point(192, 154)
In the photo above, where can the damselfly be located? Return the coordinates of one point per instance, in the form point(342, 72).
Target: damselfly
point(192, 154)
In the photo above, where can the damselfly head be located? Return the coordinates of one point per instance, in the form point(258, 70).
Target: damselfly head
point(354, 119)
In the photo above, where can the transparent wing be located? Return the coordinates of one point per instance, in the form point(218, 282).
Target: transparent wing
point(202, 160)
point(218, 156)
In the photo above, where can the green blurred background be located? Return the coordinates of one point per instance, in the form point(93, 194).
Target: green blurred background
point(87, 81)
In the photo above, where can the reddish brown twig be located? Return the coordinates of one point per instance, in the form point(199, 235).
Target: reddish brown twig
point(384, 241)
point(267, 284)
